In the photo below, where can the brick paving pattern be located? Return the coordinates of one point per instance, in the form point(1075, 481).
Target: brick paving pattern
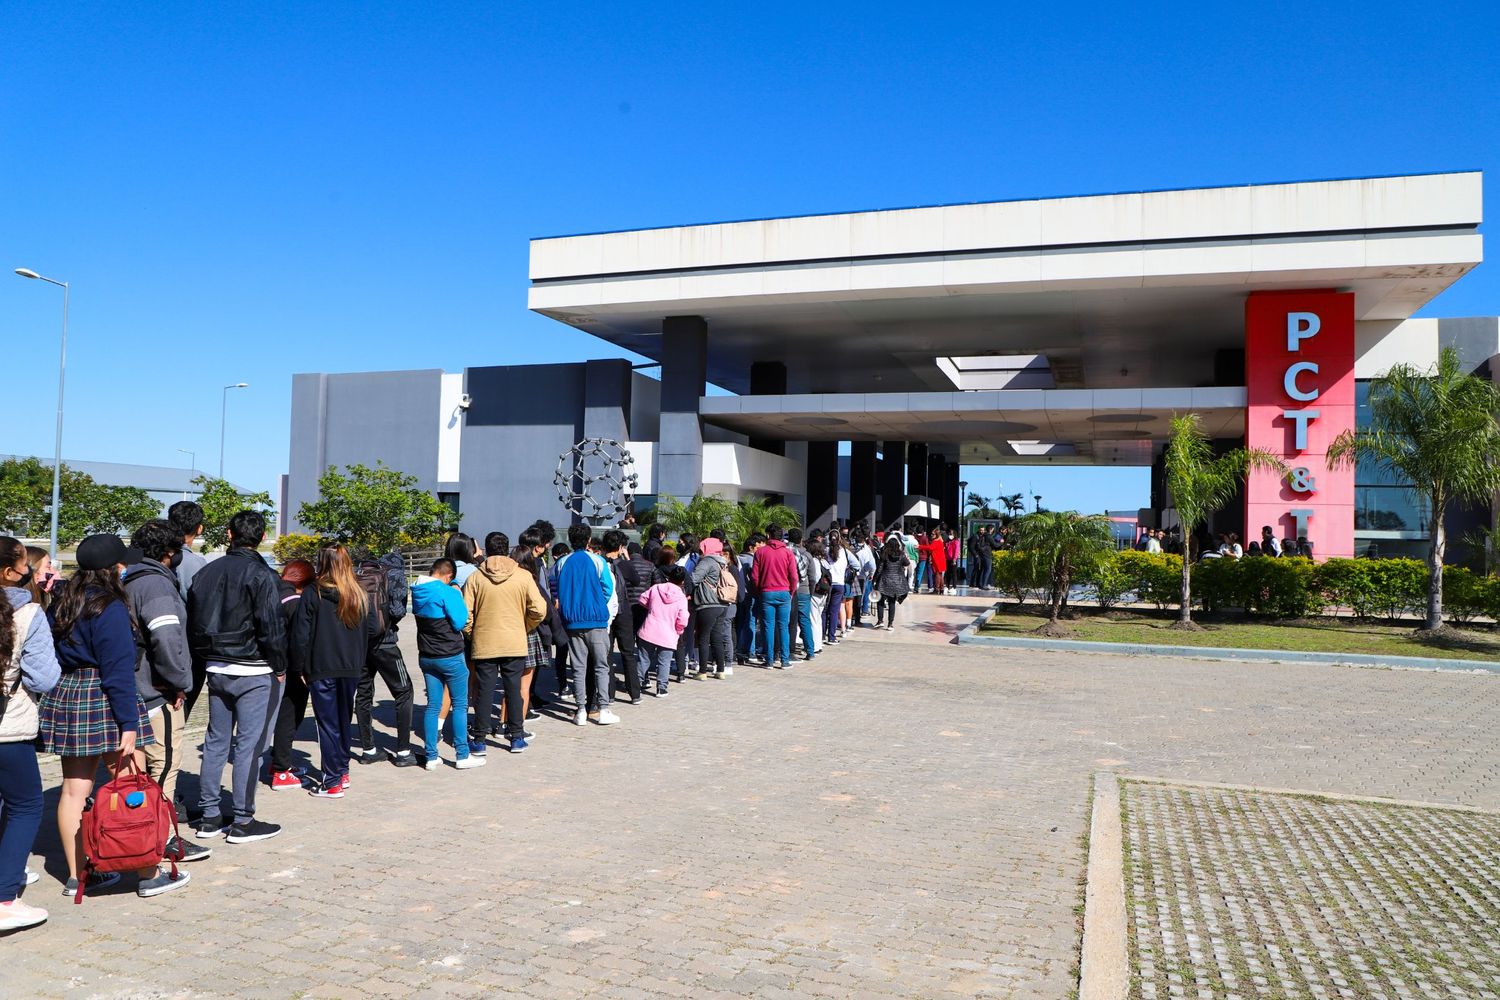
point(1246, 894)
point(900, 818)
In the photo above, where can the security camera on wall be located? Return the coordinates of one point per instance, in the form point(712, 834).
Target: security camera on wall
point(465, 401)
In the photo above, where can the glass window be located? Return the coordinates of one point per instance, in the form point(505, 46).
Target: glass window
point(1388, 508)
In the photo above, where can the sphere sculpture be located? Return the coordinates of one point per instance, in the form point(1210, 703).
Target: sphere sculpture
point(596, 480)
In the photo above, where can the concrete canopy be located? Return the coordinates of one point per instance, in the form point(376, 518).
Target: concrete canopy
point(1124, 290)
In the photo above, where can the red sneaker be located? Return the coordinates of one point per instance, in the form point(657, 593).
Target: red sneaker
point(344, 785)
point(282, 780)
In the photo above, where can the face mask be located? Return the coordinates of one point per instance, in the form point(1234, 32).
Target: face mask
point(176, 560)
point(25, 577)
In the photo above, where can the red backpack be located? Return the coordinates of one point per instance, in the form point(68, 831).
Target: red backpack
point(120, 837)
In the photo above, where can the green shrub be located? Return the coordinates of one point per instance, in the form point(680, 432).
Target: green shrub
point(1279, 588)
point(1347, 583)
point(1400, 586)
point(1468, 595)
point(1017, 574)
point(1218, 585)
point(1154, 576)
point(1111, 580)
point(289, 547)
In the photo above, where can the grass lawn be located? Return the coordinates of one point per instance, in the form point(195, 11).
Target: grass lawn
point(1321, 635)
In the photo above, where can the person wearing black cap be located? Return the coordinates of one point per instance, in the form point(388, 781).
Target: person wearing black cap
point(235, 624)
point(95, 712)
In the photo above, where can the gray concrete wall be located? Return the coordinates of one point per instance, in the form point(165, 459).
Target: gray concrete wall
point(521, 419)
point(365, 417)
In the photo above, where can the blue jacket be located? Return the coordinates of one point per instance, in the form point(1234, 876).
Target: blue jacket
point(107, 642)
point(584, 587)
point(441, 616)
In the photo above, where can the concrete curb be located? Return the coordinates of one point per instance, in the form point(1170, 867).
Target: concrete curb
point(1375, 800)
point(1105, 964)
point(969, 635)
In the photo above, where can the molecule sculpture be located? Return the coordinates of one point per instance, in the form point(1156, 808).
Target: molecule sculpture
point(596, 480)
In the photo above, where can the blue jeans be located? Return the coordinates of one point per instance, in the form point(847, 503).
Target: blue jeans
point(776, 620)
point(748, 630)
point(649, 657)
point(452, 672)
point(20, 812)
point(805, 626)
point(833, 611)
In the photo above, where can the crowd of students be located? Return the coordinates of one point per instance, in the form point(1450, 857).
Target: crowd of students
point(108, 664)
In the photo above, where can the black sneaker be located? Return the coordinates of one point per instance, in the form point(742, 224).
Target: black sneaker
point(407, 759)
point(161, 882)
point(248, 833)
point(209, 827)
point(368, 757)
point(97, 881)
point(190, 852)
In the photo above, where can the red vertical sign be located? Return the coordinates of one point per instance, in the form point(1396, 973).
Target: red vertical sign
point(1299, 374)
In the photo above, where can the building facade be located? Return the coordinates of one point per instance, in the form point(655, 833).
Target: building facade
point(1046, 331)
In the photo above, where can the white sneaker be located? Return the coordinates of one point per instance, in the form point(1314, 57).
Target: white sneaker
point(728, 671)
point(581, 718)
point(431, 764)
point(31, 877)
point(473, 760)
point(16, 914)
point(608, 718)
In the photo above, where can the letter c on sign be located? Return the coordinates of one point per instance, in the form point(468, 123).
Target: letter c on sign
point(1289, 383)
point(1300, 326)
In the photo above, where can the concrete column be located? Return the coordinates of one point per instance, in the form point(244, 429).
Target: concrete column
point(862, 483)
point(890, 473)
point(937, 478)
point(768, 378)
point(606, 399)
point(822, 483)
point(952, 502)
point(684, 370)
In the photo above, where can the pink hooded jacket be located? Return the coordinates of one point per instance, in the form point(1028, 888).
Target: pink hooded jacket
point(666, 615)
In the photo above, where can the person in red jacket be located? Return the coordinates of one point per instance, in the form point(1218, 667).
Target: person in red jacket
point(774, 575)
point(937, 560)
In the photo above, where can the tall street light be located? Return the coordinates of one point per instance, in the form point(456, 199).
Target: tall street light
point(223, 411)
point(62, 367)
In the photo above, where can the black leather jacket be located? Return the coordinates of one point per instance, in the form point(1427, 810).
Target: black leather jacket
point(234, 611)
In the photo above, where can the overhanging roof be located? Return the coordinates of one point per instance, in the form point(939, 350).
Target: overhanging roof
point(1100, 426)
point(1126, 289)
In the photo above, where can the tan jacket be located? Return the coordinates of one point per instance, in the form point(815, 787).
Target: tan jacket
point(504, 604)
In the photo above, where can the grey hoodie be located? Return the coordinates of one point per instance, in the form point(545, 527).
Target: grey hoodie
point(164, 665)
point(39, 673)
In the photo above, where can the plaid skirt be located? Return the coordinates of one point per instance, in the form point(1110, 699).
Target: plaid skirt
point(75, 720)
point(536, 652)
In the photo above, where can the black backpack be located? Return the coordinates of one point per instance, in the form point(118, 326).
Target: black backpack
point(373, 580)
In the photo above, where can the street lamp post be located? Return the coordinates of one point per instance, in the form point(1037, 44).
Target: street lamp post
point(62, 367)
point(963, 539)
point(223, 412)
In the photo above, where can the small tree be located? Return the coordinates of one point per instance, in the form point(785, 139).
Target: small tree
point(378, 508)
point(221, 501)
point(88, 507)
point(698, 516)
point(1014, 503)
point(751, 516)
point(1437, 429)
point(1201, 484)
point(979, 506)
point(1066, 544)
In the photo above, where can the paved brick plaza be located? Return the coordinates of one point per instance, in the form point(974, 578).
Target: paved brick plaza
point(901, 818)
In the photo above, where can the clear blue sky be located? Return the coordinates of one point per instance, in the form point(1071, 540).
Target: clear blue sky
point(242, 192)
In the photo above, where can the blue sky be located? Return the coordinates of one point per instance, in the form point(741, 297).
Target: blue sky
point(242, 192)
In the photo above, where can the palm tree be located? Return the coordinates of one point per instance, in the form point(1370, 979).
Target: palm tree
point(1200, 484)
point(1014, 503)
point(1067, 543)
point(1436, 429)
point(699, 516)
point(751, 516)
point(980, 507)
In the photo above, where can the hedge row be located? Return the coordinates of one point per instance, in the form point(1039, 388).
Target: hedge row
point(1279, 588)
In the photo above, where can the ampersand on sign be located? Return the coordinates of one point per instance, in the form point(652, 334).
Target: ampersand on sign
point(1301, 480)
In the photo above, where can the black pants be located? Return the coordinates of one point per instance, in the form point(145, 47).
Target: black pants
point(288, 721)
point(622, 631)
point(508, 670)
point(484, 677)
point(712, 626)
point(886, 611)
point(387, 662)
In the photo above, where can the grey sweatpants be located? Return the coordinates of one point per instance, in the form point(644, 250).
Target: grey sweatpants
point(241, 712)
point(589, 650)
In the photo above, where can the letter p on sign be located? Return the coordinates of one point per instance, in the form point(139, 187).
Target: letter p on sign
point(1299, 327)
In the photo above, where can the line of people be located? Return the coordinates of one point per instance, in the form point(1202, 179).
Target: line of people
point(110, 662)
